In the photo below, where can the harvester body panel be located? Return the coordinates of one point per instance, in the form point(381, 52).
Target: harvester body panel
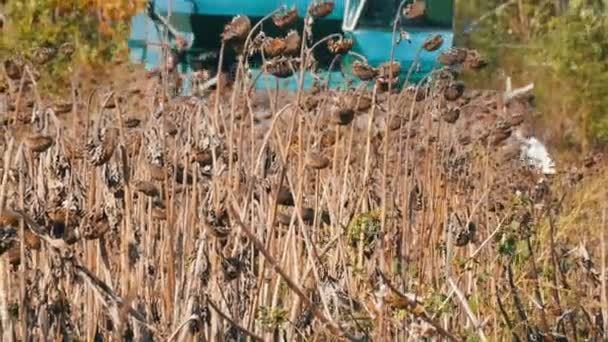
point(368, 22)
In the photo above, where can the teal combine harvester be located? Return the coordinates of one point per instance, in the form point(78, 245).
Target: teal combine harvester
point(196, 26)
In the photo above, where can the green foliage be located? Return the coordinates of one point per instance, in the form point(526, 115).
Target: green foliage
point(400, 314)
point(512, 241)
point(13, 310)
point(272, 318)
point(98, 32)
point(577, 46)
point(507, 245)
point(439, 304)
point(562, 50)
point(471, 335)
point(364, 230)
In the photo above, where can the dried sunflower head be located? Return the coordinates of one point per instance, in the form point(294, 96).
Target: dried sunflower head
point(364, 71)
point(454, 91)
point(339, 46)
point(316, 161)
point(281, 67)
point(433, 43)
point(274, 47)
point(100, 153)
point(321, 9)
point(285, 197)
point(285, 19)
point(147, 188)
point(451, 115)
point(14, 67)
point(9, 218)
point(292, 43)
point(390, 69)
point(67, 49)
point(342, 116)
point(237, 29)
point(42, 55)
point(474, 61)
point(39, 143)
point(453, 56)
point(131, 122)
point(360, 102)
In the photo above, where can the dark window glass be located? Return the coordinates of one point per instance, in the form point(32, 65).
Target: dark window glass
point(380, 14)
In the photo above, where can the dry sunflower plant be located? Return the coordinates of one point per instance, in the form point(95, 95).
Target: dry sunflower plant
point(367, 213)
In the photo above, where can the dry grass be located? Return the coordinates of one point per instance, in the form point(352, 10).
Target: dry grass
point(237, 215)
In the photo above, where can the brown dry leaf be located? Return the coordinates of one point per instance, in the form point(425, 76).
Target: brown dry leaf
point(14, 68)
point(205, 158)
point(361, 102)
point(96, 226)
point(72, 149)
point(13, 255)
point(316, 161)
point(396, 301)
point(134, 141)
point(64, 216)
point(32, 240)
point(99, 154)
point(62, 108)
point(39, 143)
point(311, 102)
point(147, 188)
point(9, 218)
point(159, 214)
point(395, 123)
point(157, 173)
point(339, 46)
point(328, 139)
point(284, 218)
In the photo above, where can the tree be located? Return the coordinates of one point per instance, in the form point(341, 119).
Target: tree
point(560, 45)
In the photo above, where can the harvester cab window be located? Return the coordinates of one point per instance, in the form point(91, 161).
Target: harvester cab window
point(379, 14)
point(352, 14)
